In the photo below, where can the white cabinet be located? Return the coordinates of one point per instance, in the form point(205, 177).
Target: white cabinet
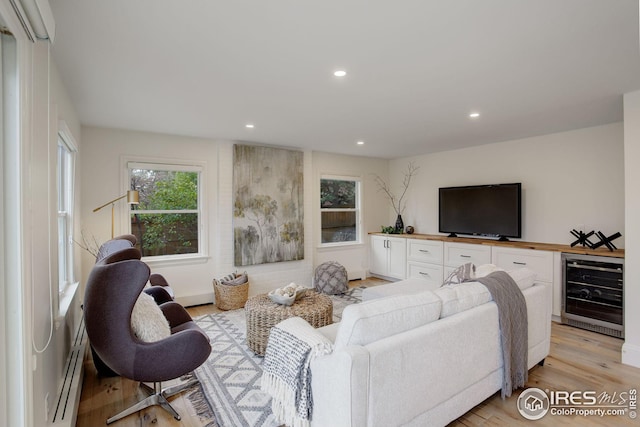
point(456, 254)
point(424, 260)
point(433, 260)
point(543, 263)
point(379, 255)
point(431, 273)
point(429, 251)
point(388, 256)
point(540, 262)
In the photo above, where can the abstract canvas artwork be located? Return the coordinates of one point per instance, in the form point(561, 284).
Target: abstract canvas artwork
point(268, 216)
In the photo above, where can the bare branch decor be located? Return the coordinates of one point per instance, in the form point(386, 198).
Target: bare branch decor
point(398, 207)
point(397, 202)
point(89, 243)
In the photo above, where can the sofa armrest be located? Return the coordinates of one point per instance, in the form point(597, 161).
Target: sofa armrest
point(539, 307)
point(340, 388)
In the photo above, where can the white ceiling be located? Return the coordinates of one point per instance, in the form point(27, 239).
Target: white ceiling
point(416, 69)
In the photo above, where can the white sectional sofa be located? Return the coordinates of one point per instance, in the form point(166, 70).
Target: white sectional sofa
point(412, 359)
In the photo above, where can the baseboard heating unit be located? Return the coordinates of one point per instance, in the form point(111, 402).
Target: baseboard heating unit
point(66, 409)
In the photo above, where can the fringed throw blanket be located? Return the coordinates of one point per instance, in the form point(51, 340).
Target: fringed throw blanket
point(512, 315)
point(292, 345)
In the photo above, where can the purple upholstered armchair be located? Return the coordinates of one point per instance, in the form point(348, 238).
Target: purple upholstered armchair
point(111, 293)
point(122, 247)
point(111, 246)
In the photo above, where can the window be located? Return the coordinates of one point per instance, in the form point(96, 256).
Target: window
point(166, 222)
point(65, 172)
point(339, 210)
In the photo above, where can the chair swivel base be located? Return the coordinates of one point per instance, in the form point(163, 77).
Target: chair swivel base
point(157, 396)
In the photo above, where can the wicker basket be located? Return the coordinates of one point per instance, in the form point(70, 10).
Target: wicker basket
point(230, 297)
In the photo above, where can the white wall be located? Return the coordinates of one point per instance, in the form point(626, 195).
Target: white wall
point(559, 194)
point(42, 196)
point(569, 179)
point(631, 347)
point(102, 181)
point(66, 323)
point(36, 369)
point(355, 258)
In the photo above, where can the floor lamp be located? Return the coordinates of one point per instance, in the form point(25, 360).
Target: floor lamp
point(132, 199)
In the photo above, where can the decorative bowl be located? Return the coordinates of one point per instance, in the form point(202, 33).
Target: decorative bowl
point(300, 293)
point(282, 299)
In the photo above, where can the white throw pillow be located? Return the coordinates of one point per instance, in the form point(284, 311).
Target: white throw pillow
point(147, 321)
point(486, 269)
point(524, 277)
point(457, 298)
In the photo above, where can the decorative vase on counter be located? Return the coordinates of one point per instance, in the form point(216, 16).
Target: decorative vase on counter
point(399, 224)
point(409, 229)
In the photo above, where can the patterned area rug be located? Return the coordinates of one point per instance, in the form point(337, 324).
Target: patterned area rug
point(230, 378)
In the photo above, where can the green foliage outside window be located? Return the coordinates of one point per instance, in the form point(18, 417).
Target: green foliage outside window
point(338, 210)
point(166, 220)
point(337, 193)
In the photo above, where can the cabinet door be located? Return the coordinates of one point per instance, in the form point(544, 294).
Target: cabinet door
point(456, 254)
point(379, 255)
point(424, 251)
point(431, 273)
point(397, 257)
point(540, 262)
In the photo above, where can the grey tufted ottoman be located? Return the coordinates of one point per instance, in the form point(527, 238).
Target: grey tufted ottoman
point(331, 278)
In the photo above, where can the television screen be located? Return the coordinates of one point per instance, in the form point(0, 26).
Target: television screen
point(481, 210)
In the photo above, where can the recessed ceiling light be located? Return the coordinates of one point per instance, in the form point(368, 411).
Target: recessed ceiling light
point(249, 126)
point(474, 115)
point(360, 142)
point(340, 73)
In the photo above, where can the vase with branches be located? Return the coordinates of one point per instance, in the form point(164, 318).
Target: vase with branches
point(398, 203)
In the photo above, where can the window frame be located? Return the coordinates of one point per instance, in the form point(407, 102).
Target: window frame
point(178, 166)
point(357, 209)
point(65, 177)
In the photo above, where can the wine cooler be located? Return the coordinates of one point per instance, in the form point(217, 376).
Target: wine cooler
point(593, 293)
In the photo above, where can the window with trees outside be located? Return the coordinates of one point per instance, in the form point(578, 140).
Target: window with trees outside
point(339, 210)
point(166, 221)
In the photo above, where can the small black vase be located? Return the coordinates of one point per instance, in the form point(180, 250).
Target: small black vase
point(399, 224)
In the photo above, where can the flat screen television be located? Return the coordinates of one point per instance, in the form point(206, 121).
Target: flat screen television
point(482, 210)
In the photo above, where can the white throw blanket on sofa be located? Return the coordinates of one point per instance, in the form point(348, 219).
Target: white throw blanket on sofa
point(292, 345)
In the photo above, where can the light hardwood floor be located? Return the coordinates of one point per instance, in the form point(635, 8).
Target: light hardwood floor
point(579, 360)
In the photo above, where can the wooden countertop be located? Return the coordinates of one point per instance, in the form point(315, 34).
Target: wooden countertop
point(554, 247)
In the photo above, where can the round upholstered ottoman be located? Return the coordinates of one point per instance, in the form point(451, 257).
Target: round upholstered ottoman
point(331, 278)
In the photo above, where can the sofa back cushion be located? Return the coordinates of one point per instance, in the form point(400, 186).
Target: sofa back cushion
point(373, 320)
